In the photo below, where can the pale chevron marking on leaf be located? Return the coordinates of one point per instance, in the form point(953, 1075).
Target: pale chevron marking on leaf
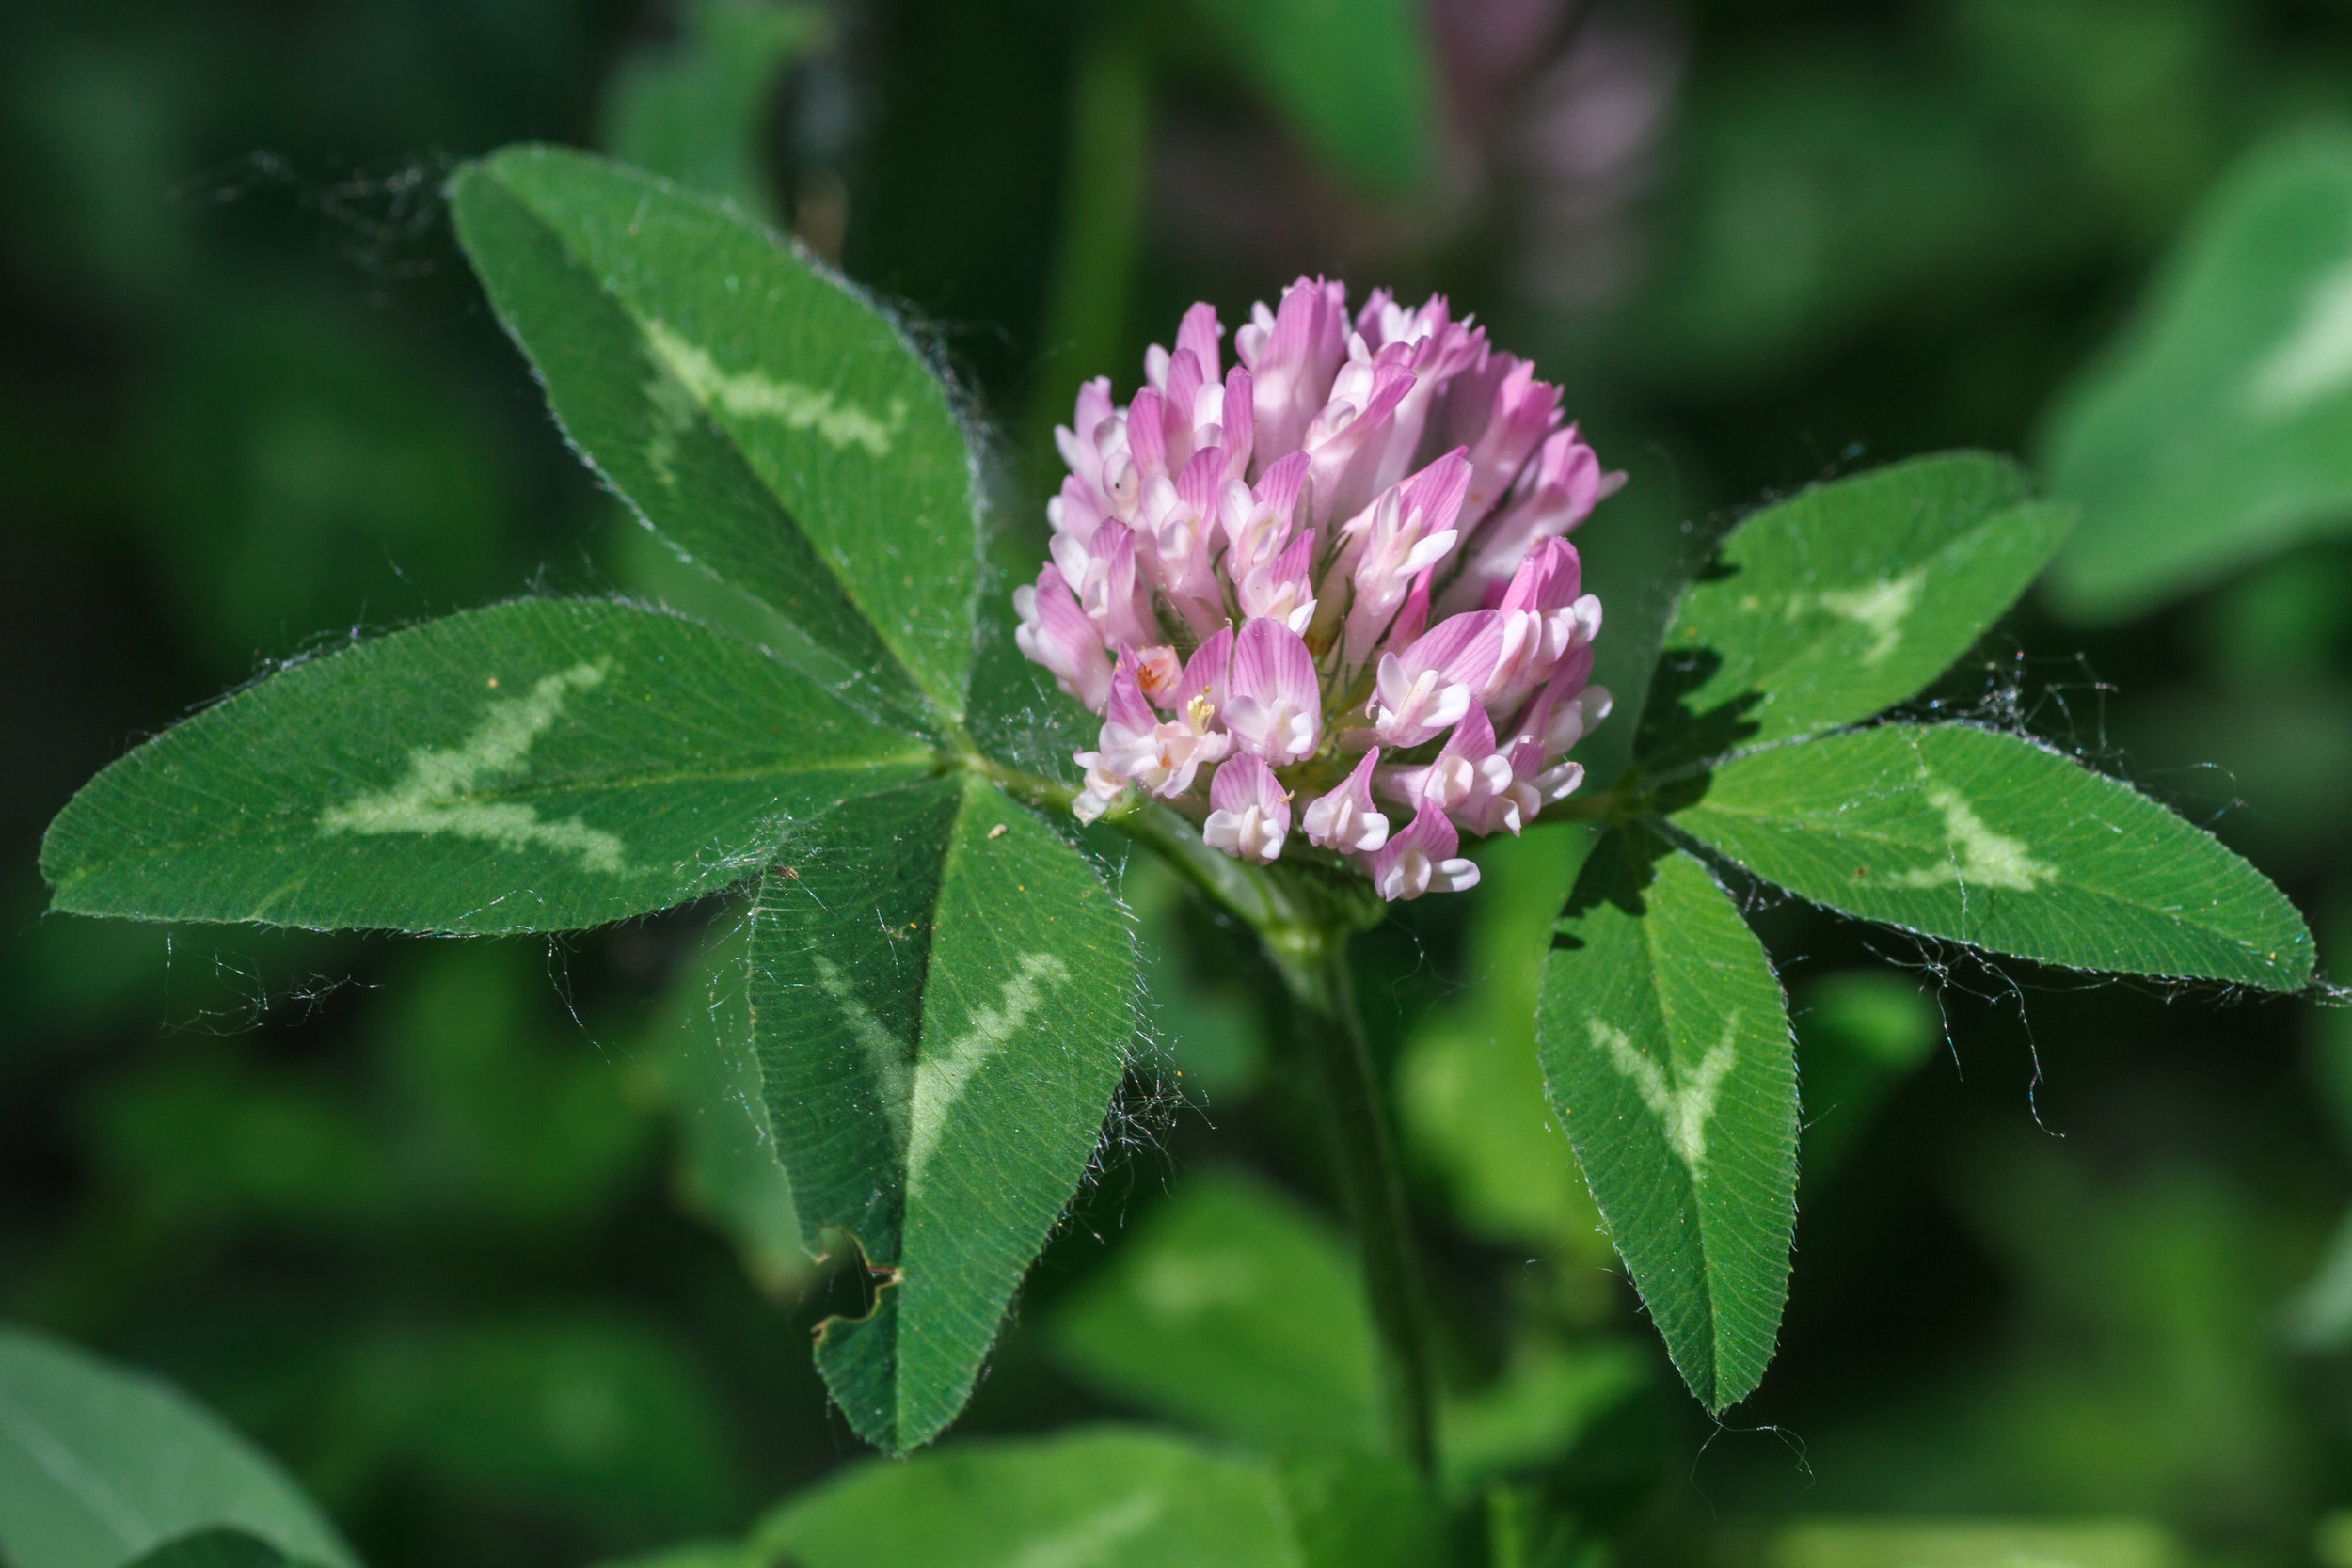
point(1980, 857)
point(885, 1053)
point(1880, 609)
point(752, 395)
point(1685, 1108)
point(1092, 1538)
point(2316, 358)
point(431, 800)
point(673, 411)
point(940, 1076)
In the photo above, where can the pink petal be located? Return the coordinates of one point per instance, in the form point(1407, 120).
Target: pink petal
point(1278, 487)
point(1292, 364)
point(1055, 633)
point(1125, 615)
point(1437, 491)
point(1249, 813)
point(1198, 335)
point(1271, 664)
point(1548, 578)
point(1244, 780)
point(1197, 485)
point(1346, 818)
point(1462, 648)
point(1147, 433)
point(1239, 422)
point(1413, 619)
point(1421, 859)
point(1208, 671)
point(1276, 709)
point(1127, 708)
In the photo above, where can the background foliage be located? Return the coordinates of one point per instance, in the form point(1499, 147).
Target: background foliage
point(454, 1230)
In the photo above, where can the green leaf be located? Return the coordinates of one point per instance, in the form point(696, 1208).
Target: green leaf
point(1996, 841)
point(696, 111)
point(1843, 600)
point(218, 1547)
point(1666, 1047)
point(2218, 427)
point(1354, 77)
point(1874, 1542)
point(942, 997)
point(766, 420)
point(98, 1464)
point(536, 765)
point(1233, 1309)
point(1106, 1497)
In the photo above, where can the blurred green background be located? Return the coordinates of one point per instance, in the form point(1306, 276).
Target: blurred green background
point(474, 1237)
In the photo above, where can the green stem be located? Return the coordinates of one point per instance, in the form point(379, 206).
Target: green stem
point(1314, 966)
point(1305, 921)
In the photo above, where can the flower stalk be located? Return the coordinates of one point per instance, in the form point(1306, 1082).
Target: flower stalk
point(1315, 971)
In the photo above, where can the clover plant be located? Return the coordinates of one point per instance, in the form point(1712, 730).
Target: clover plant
point(1319, 590)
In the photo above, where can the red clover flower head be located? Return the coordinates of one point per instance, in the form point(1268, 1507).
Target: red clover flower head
point(1325, 585)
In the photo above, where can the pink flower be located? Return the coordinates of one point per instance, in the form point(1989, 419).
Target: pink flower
point(1277, 710)
point(1136, 746)
point(1553, 724)
point(1349, 541)
point(1292, 354)
point(1551, 496)
point(1502, 413)
point(1102, 572)
point(1544, 619)
point(1346, 819)
point(1421, 859)
point(1347, 442)
point(1055, 632)
point(1280, 590)
point(1249, 812)
point(1407, 533)
point(1126, 748)
point(1157, 671)
point(1104, 789)
point(1466, 775)
point(1423, 691)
